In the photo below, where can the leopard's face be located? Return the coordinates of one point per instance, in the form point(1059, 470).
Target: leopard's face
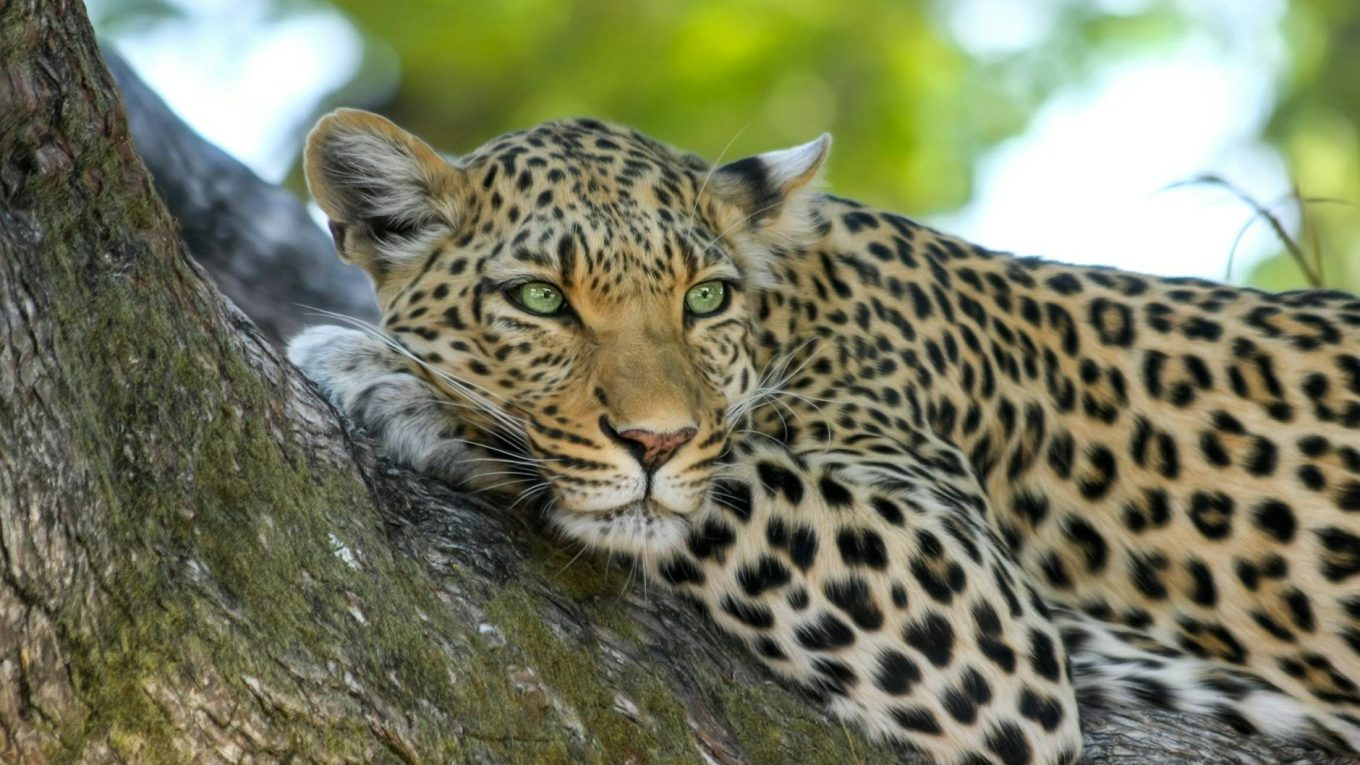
point(613, 337)
point(580, 293)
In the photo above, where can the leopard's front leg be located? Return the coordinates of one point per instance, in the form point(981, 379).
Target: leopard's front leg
point(377, 387)
point(870, 575)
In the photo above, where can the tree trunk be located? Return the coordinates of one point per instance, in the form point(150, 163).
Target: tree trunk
point(198, 563)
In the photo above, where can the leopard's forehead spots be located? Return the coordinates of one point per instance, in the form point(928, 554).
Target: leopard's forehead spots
point(602, 211)
point(603, 169)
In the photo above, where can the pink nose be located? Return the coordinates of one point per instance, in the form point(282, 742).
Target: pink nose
point(650, 448)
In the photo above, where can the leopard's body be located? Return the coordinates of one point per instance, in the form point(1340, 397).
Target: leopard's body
point(949, 489)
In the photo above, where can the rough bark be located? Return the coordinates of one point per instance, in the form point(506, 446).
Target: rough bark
point(198, 562)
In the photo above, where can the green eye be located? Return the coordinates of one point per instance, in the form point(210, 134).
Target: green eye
point(538, 297)
point(706, 298)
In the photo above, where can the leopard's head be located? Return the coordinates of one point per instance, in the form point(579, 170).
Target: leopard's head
point(582, 294)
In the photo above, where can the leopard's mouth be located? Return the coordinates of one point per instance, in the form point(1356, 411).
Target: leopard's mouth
point(641, 512)
point(633, 527)
point(647, 506)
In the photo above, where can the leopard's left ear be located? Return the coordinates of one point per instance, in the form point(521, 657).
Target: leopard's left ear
point(765, 188)
point(386, 192)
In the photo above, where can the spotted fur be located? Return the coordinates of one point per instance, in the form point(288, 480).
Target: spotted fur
point(950, 490)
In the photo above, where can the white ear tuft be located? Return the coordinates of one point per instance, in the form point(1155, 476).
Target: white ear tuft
point(790, 169)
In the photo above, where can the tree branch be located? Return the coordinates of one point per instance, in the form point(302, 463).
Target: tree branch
point(257, 240)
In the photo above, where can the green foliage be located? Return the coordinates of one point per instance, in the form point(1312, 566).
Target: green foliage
point(1315, 126)
point(912, 104)
point(911, 110)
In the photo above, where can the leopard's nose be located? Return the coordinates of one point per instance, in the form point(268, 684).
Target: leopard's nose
point(650, 448)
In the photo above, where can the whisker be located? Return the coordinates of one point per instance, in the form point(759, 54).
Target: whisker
point(530, 493)
point(574, 558)
point(646, 571)
point(520, 473)
point(520, 461)
point(494, 487)
point(750, 432)
point(776, 366)
point(510, 455)
point(713, 168)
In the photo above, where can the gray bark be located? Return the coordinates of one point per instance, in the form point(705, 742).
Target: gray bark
point(199, 563)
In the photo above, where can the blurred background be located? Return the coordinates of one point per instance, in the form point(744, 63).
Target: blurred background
point(1164, 136)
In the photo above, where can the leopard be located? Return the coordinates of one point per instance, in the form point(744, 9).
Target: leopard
point(953, 493)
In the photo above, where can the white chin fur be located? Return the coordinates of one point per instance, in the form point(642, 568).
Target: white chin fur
point(633, 529)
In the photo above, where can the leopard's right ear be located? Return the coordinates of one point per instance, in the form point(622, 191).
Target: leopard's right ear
point(387, 193)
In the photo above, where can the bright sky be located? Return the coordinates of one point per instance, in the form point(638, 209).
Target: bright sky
point(243, 80)
point(1086, 182)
